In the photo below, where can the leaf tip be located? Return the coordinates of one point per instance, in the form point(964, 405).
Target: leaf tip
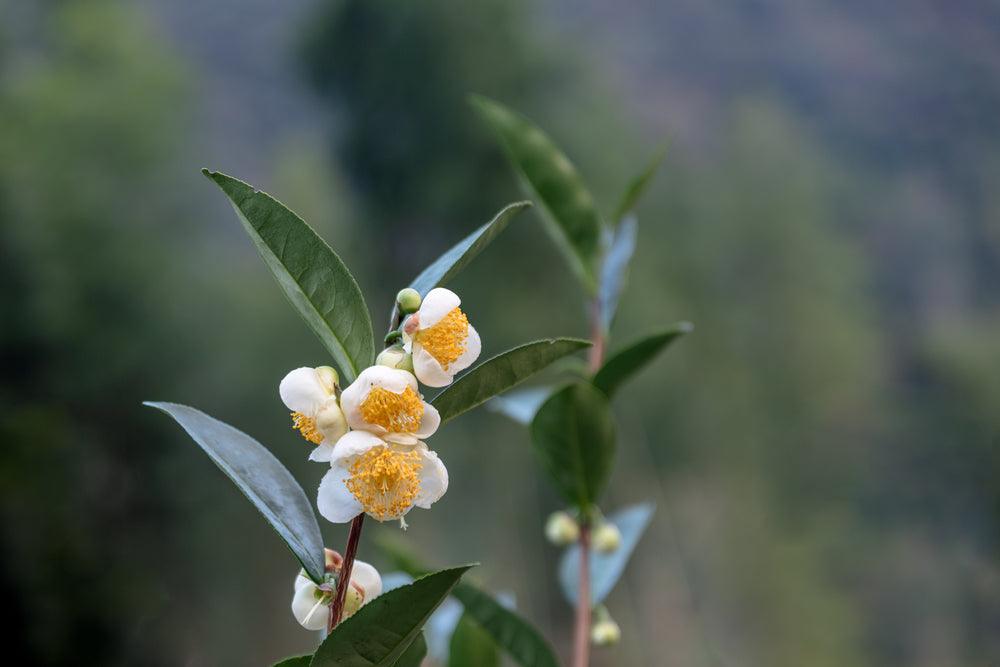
point(685, 327)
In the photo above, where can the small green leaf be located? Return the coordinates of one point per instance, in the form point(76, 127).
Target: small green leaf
point(295, 661)
point(261, 478)
point(310, 273)
point(458, 257)
point(637, 187)
point(548, 174)
point(379, 634)
point(605, 569)
point(626, 362)
point(614, 270)
point(521, 405)
point(414, 654)
point(502, 372)
point(511, 632)
point(471, 646)
point(574, 437)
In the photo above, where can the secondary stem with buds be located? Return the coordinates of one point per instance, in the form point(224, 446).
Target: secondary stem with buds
point(344, 580)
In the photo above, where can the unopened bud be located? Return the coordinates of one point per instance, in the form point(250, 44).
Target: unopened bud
point(607, 537)
point(352, 601)
point(408, 300)
point(328, 377)
point(395, 357)
point(605, 632)
point(561, 529)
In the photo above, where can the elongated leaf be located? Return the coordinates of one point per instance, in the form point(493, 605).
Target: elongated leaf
point(614, 271)
point(520, 405)
point(458, 257)
point(574, 438)
point(550, 176)
point(511, 632)
point(295, 661)
point(637, 187)
point(471, 646)
point(383, 629)
point(605, 569)
point(310, 273)
point(415, 654)
point(626, 362)
point(261, 478)
point(502, 372)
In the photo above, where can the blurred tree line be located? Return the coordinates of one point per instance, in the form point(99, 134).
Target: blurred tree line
point(823, 449)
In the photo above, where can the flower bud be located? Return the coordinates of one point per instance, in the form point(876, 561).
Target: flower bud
point(408, 300)
point(352, 601)
point(605, 632)
point(395, 357)
point(328, 377)
point(561, 529)
point(607, 537)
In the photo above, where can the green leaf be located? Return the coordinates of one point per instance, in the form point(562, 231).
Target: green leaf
point(574, 437)
point(471, 646)
point(511, 632)
point(521, 405)
point(605, 569)
point(626, 362)
point(261, 478)
point(502, 372)
point(295, 661)
point(458, 257)
point(637, 187)
point(414, 653)
point(381, 631)
point(614, 270)
point(310, 273)
point(549, 176)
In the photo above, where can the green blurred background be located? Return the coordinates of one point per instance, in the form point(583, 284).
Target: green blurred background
point(824, 450)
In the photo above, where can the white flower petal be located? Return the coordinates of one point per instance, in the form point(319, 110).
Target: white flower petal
point(354, 444)
point(401, 439)
point(433, 480)
point(322, 453)
point(429, 422)
point(438, 303)
point(473, 346)
point(331, 422)
point(302, 391)
point(309, 609)
point(427, 368)
point(368, 578)
point(334, 501)
point(302, 580)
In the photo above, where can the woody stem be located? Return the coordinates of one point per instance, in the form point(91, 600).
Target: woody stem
point(344, 580)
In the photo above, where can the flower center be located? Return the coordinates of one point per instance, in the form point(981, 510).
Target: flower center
point(385, 481)
point(396, 413)
point(445, 341)
point(307, 427)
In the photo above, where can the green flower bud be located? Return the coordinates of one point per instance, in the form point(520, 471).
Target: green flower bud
point(607, 537)
point(395, 357)
point(328, 377)
point(605, 632)
point(352, 601)
point(561, 529)
point(408, 300)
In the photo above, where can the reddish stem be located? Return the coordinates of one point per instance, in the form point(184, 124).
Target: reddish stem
point(581, 633)
point(344, 580)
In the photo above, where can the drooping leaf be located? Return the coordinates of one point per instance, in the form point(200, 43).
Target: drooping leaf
point(502, 372)
point(294, 661)
point(458, 256)
point(381, 631)
point(471, 646)
point(261, 478)
point(310, 273)
point(629, 360)
point(520, 405)
point(614, 271)
point(574, 438)
point(637, 187)
point(605, 569)
point(414, 654)
point(572, 216)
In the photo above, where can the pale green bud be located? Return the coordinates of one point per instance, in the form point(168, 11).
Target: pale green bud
point(395, 357)
point(408, 300)
point(605, 632)
point(328, 377)
point(607, 537)
point(561, 529)
point(352, 601)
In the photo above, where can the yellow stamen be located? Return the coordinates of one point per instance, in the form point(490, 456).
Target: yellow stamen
point(445, 341)
point(307, 427)
point(396, 413)
point(385, 481)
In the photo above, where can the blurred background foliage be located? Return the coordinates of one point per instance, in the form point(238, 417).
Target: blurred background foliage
point(824, 450)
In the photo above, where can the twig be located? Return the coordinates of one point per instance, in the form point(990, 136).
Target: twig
point(581, 631)
point(344, 580)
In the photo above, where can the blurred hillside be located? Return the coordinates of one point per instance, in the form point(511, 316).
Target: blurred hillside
point(824, 450)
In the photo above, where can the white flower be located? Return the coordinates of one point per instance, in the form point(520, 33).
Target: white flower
point(383, 479)
point(310, 393)
point(311, 602)
point(385, 401)
point(441, 339)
